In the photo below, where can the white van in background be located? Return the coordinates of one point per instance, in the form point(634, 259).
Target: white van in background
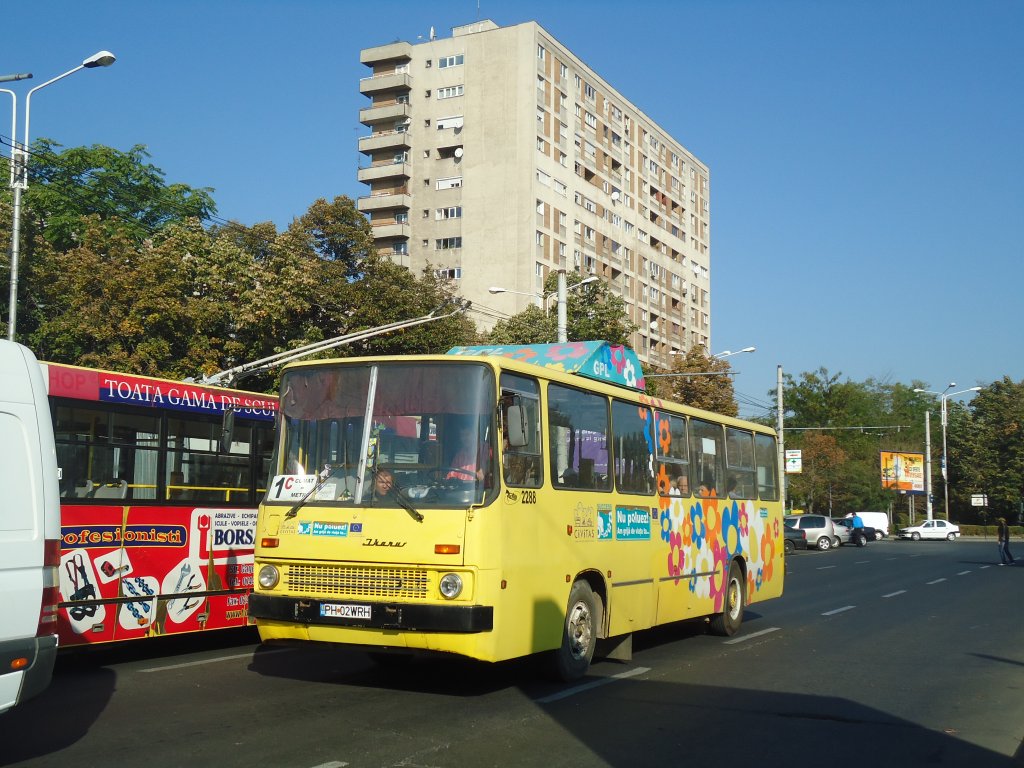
point(29, 529)
point(877, 520)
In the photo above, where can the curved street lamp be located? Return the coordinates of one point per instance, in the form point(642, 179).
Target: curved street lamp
point(727, 353)
point(943, 398)
point(19, 172)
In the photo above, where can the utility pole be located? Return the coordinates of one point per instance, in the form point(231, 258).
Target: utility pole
point(782, 442)
point(928, 462)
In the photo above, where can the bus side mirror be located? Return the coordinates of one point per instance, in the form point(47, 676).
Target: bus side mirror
point(516, 424)
point(227, 429)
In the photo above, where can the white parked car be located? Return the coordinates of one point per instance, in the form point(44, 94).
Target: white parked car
point(877, 520)
point(931, 529)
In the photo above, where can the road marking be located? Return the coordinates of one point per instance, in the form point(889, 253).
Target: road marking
point(752, 635)
point(594, 684)
point(936, 581)
point(860, 562)
point(893, 594)
point(839, 610)
point(963, 573)
point(825, 567)
point(332, 764)
point(212, 661)
point(985, 566)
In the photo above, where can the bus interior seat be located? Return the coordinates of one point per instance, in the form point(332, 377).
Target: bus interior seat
point(114, 489)
point(79, 490)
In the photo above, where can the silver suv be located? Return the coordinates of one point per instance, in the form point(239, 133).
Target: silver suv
point(821, 533)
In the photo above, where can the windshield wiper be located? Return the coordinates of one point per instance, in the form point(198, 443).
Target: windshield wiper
point(396, 492)
point(325, 473)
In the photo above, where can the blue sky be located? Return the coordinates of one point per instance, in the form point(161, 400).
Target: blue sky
point(867, 170)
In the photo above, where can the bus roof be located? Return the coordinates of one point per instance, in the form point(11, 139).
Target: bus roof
point(599, 360)
point(97, 385)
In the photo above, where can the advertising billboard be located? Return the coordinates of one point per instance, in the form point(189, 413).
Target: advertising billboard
point(903, 471)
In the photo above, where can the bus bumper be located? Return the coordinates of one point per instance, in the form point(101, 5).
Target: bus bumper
point(394, 616)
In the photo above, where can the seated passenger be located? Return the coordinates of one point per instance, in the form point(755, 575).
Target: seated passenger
point(465, 463)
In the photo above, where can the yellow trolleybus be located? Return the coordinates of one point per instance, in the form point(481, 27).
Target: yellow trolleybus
point(497, 502)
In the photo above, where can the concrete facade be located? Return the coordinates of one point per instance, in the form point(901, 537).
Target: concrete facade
point(497, 155)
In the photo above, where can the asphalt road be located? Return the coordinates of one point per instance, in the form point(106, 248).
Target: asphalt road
point(897, 654)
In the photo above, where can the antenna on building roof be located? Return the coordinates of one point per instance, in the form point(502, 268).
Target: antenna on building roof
point(432, 33)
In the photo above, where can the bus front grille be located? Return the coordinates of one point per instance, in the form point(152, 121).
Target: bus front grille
point(357, 582)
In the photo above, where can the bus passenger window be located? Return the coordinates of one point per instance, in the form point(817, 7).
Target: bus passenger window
point(521, 460)
point(707, 458)
point(578, 433)
point(673, 464)
point(632, 429)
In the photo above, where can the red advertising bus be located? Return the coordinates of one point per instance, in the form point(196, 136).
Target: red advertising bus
point(159, 483)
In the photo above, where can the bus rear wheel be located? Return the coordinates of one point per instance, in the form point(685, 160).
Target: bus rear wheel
point(727, 623)
point(579, 634)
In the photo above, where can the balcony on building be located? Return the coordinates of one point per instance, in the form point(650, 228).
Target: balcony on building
point(382, 114)
point(380, 82)
point(383, 140)
point(397, 52)
point(384, 201)
point(384, 171)
point(390, 230)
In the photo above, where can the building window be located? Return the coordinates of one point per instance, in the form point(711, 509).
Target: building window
point(402, 218)
point(455, 121)
point(450, 92)
point(453, 273)
point(589, 92)
point(454, 212)
point(541, 53)
point(447, 243)
point(451, 61)
point(401, 248)
point(427, 93)
point(449, 183)
point(563, 71)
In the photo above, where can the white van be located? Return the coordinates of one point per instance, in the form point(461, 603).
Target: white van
point(29, 529)
point(877, 520)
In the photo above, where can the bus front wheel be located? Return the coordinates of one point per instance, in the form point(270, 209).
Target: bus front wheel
point(727, 623)
point(579, 633)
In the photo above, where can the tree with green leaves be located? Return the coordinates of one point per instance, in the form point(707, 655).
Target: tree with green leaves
point(122, 188)
point(701, 381)
point(986, 450)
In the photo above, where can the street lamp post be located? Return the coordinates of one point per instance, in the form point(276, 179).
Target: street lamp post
point(727, 353)
point(943, 398)
point(19, 173)
point(562, 294)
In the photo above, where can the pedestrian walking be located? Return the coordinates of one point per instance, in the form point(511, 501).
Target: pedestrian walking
point(858, 537)
point(1005, 558)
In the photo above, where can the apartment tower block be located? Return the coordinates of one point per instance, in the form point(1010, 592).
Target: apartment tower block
point(496, 156)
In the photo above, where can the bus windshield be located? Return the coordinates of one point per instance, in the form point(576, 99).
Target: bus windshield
point(387, 433)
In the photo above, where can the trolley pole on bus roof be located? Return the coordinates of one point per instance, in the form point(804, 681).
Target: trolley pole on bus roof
point(231, 375)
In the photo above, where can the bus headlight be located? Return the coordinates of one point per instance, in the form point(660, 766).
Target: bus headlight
point(451, 585)
point(269, 576)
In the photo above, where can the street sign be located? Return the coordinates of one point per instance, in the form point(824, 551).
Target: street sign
point(979, 499)
point(794, 462)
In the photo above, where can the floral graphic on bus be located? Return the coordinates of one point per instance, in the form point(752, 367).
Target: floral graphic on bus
point(704, 535)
